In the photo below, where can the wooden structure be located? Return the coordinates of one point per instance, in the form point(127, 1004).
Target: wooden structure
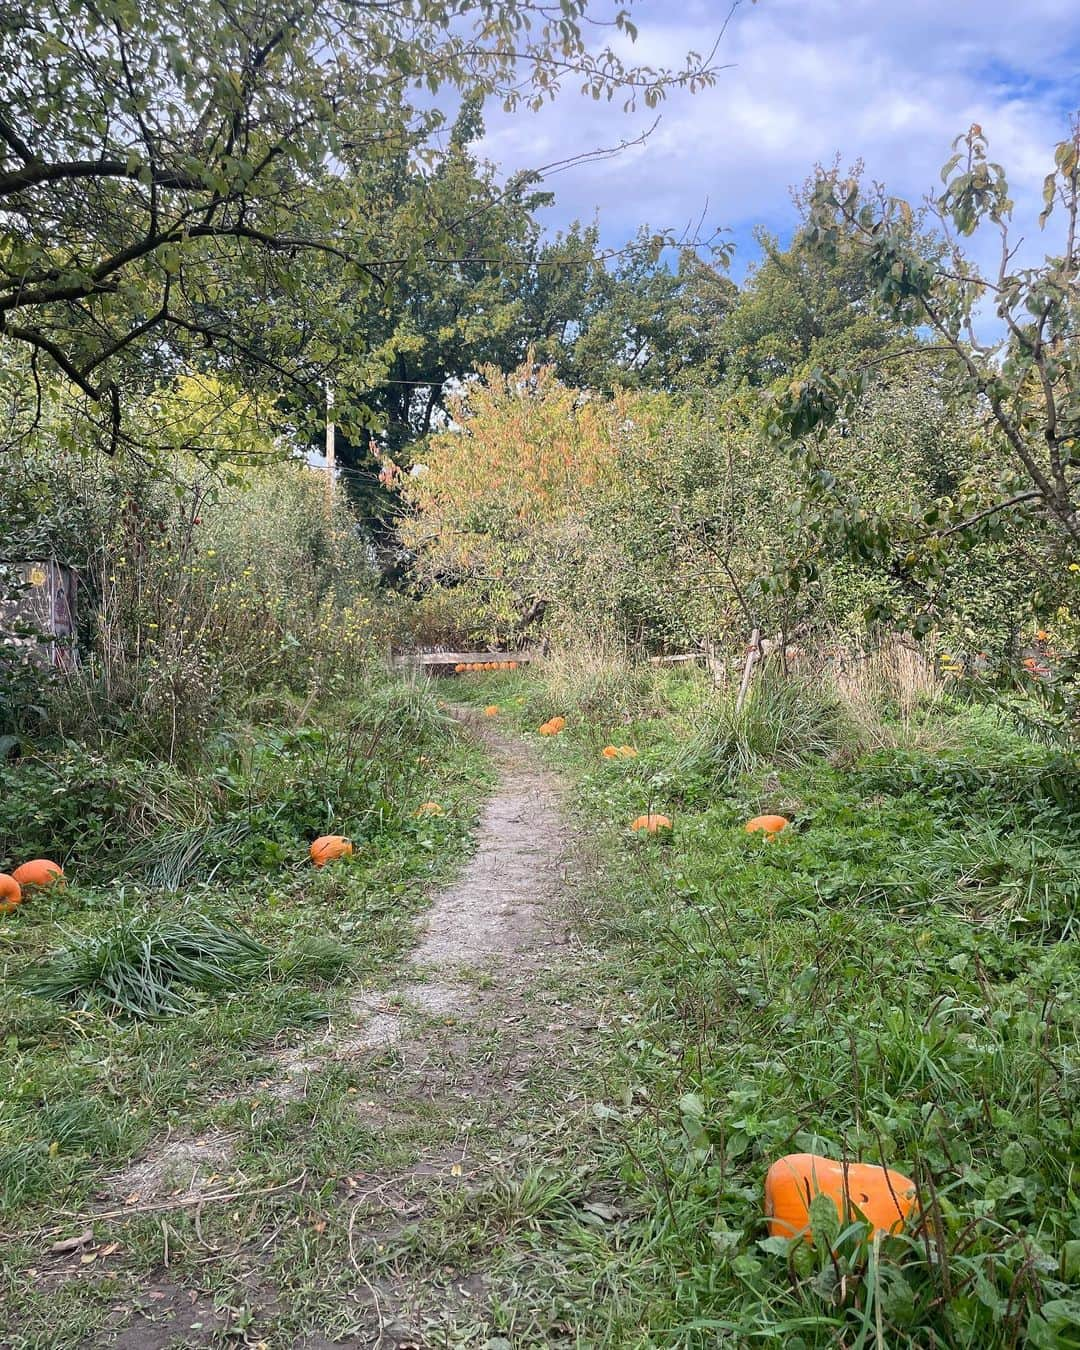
point(438, 660)
point(38, 610)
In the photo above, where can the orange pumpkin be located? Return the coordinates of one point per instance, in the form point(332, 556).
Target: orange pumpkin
point(10, 893)
point(492, 710)
point(428, 809)
point(39, 872)
point(654, 824)
point(627, 752)
point(767, 825)
point(459, 667)
point(609, 752)
point(328, 847)
point(883, 1197)
point(513, 665)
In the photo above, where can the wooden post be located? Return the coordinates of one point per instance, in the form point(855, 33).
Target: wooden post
point(330, 452)
point(752, 657)
point(714, 663)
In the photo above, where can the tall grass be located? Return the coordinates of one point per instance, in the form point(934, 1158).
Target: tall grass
point(884, 690)
point(140, 967)
point(784, 720)
point(599, 678)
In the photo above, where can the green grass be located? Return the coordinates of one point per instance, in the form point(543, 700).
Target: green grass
point(162, 975)
point(894, 979)
point(142, 967)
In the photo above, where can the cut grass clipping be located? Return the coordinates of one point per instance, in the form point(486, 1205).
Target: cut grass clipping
point(141, 966)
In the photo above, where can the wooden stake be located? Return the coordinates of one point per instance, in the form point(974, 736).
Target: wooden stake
point(752, 657)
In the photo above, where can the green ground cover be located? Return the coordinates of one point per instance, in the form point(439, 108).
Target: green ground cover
point(193, 936)
point(893, 979)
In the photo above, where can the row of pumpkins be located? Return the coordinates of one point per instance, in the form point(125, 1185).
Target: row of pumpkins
point(40, 873)
point(883, 1197)
point(465, 667)
point(37, 874)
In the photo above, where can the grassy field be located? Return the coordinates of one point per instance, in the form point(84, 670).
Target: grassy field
point(895, 978)
point(151, 998)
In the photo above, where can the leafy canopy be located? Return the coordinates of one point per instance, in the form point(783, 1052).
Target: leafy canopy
point(155, 156)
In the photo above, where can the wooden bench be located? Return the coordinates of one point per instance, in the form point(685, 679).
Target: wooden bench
point(427, 660)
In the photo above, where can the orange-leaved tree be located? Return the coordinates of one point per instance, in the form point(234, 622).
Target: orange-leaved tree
point(521, 455)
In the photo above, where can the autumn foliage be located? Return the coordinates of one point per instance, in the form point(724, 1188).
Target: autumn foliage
point(523, 450)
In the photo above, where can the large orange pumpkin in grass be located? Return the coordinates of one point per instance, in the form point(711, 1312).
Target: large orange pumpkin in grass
point(428, 809)
point(492, 710)
point(38, 873)
point(769, 826)
point(883, 1197)
point(328, 847)
point(10, 893)
point(610, 752)
point(651, 824)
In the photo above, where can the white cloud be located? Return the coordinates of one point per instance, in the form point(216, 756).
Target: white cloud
point(888, 83)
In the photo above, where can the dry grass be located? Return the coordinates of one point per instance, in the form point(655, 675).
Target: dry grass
point(884, 690)
point(599, 678)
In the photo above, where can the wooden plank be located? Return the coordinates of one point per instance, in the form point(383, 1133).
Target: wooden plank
point(462, 658)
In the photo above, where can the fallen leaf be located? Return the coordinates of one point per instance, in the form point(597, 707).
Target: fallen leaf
point(455, 1171)
point(601, 1211)
point(72, 1244)
point(87, 1257)
point(133, 1198)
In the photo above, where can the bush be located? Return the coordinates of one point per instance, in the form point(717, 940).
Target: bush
point(195, 591)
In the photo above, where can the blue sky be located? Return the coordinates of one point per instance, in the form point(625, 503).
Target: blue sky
point(890, 82)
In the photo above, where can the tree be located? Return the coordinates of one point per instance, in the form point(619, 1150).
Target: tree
point(1026, 382)
point(646, 326)
point(1013, 495)
point(499, 492)
point(147, 151)
point(799, 309)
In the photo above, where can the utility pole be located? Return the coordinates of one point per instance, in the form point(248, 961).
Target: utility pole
point(329, 451)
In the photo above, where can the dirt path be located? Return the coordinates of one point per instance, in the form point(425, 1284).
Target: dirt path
point(495, 921)
point(473, 1011)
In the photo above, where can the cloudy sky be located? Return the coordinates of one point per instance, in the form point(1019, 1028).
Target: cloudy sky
point(890, 82)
